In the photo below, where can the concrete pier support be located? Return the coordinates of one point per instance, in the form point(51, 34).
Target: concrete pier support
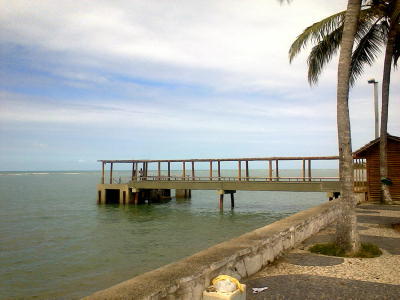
point(123, 194)
point(221, 194)
point(185, 193)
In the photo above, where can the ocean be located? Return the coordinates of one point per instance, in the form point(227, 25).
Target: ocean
point(56, 242)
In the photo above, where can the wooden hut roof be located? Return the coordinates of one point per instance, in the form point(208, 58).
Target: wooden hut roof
point(360, 152)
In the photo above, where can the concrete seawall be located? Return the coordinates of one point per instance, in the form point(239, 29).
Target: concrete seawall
point(239, 257)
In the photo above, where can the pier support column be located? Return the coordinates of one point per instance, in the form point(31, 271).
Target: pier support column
point(221, 194)
point(136, 195)
point(183, 193)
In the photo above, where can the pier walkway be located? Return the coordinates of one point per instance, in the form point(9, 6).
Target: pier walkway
point(154, 179)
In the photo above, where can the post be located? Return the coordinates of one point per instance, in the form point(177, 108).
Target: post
point(304, 170)
point(277, 169)
point(240, 170)
point(169, 170)
point(136, 201)
point(133, 170)
point(211, 170)
point(111, 173)
point(102, 172)
point(376, 109)
point(221, 201)
point(159, 170)
point(219, 170)
point(247, 170)
point(270, 170)
point(232, 201)
point(193, 170)
point(183, 170)
point(309, 170)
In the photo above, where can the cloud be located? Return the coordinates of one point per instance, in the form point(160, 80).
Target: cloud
point(239, 44)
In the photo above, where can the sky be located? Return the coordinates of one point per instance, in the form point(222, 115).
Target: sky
point(130, 79)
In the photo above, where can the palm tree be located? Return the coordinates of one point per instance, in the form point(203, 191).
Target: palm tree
point(346, 229)
point(377, 26)
point(392, 53)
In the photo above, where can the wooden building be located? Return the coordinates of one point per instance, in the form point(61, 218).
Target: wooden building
point(370, 152)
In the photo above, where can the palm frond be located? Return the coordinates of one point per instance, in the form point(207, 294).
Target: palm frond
point(366, 51)
point(322, 53)
point(396, 50)
point(316, 33)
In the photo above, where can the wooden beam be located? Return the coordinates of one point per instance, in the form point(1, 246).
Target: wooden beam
point(111, 173)
point(221, 201)
point(270, 170)
point(211, 169)
point(277, 169)
point(232, 201)
point(133, 170)
point(193, 174)
point(183, 170)
point(159, 170)
point(239, 170)
point(304, 170)
point(247, 170)
point(309, 170)
point(169, 170)
point(229, 159)
point(219, 170)
point(102, 172)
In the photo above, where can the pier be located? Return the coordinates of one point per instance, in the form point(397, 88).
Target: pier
point(153, 180)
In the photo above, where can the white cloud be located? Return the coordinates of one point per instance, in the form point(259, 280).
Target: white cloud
point(242, 43)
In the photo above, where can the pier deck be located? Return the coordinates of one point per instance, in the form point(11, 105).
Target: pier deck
point(155, 176)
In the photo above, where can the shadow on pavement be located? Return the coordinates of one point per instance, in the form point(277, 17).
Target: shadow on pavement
point(319, 287)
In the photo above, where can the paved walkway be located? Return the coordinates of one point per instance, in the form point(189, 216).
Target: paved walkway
point(302, 275)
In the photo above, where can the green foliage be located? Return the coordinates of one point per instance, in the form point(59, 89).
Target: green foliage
point(326, 36)
point(327, 249)
point(366, 250)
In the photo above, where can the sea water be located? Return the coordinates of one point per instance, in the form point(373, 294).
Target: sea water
point(56, 242)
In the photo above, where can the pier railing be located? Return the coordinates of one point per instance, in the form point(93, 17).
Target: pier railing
point(233, 178)
point(162, 170)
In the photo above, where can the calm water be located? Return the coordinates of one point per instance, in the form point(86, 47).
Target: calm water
point(56, 242)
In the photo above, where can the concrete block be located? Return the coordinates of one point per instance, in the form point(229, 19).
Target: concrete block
point(241, 269)
point(253, 264)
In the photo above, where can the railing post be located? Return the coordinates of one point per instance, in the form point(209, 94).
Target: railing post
point(133, 171)
point(270, 170)
point(304, 170)
point(169, 170)
point(211, 170)
point(277, 169)
point(193, 174)
point(240, 170)
point(102, 172)
point(111, 173)
point(183, 170)
point(219, 170)
point(159, 170)
point(247, 170)
point(309, 170)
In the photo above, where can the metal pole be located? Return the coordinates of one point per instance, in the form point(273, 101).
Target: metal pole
point(376, 106)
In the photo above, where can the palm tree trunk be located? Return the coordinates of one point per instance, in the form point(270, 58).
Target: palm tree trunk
point(386, 197)
point(346, 228)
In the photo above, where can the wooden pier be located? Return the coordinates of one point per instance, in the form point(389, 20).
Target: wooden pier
point(153, 180)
